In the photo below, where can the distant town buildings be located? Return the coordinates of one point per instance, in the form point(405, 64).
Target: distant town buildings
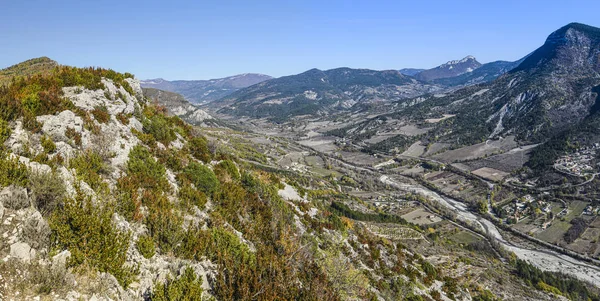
point(579, 163)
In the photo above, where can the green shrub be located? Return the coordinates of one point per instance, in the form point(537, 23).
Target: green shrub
point(48, 144)
point(4, 131)
point(147, 172)
point(158, 126)
point(89, 166)
point(202, 177)
point(12, 171)
point(163, 222)
point(198, 147)
point(47, 190)
point(145, 245)
point(188, 287)
point(190, 197)
point(228, 167)
point(86, 230)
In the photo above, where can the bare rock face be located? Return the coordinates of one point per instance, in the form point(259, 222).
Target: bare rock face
point(55, 126)
point(14, 197)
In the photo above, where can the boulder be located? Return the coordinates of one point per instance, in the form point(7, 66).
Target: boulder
point(59, 261)
point(36, 231)
point(14, 197)
point(22, 251)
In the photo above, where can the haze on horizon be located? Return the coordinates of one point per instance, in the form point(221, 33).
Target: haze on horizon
point(212, 39)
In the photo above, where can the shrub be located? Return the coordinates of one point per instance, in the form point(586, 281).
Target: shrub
point(12, 171)
point(190, 197)
point(4, 131)
point(123, 118)
point(47, 190)
point(227, 168)
point(202, 177)
point(159, 128)
point(146, 171)
point(89, 165)
point(164, 224)
point(198, 147)
point(71, 133)
point(48, 144)
point(86, 230)
point(145, 245)
point(187, 287)
point(101, 114)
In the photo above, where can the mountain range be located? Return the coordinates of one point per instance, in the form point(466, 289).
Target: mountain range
point(317, 92)
point(204, 91)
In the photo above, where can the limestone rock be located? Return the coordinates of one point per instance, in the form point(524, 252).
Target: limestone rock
point(22, 251)
point(55, 126)
point(59, 261)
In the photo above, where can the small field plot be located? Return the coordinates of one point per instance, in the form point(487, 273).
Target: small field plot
point(490, 173)
point(415, 150)
point(421, 217)
point(477, 151)
point(464, 237)
point(435, 148)
point(395, 232)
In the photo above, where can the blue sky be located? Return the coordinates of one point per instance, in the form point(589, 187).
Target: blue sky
point(210, 39)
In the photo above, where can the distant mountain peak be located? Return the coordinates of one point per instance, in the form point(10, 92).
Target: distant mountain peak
point(450, 69)
point(466, 59)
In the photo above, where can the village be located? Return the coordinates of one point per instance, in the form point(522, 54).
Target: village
point(580, 163)
point(527, 205)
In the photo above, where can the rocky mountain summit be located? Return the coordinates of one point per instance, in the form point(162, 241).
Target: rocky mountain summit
point(449, 69)
point(205, 91)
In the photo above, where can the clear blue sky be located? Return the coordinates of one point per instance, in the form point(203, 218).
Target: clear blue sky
point(209, 39)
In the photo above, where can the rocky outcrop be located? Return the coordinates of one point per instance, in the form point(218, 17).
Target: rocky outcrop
point(177, 105)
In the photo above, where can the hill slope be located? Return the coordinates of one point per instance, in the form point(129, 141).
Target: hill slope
point(204, 91)
point(552, 89)
point(33, 66)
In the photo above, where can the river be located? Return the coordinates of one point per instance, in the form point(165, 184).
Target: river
point(545, 260)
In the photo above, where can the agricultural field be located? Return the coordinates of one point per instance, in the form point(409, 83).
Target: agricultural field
point(555, 233)
point(422, 217)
